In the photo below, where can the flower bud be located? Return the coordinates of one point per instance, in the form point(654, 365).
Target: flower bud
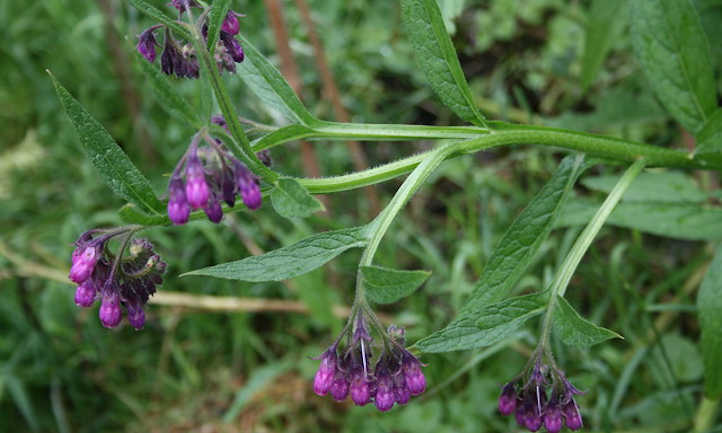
point(231, 24)
point(178, 207)
point(553, 421)
point(136, 315)
point(359, 388)
point(402, 395)
point(84, 263)
point(146, 44)
point(234, 48)
point(324, 378)
point(415, 379)
point(385, 398)
point(572, 415)
point(507, 400)
point(197, 191)
point(213, 209)
point(85, 293)
point(109, 313)
point(339, 387)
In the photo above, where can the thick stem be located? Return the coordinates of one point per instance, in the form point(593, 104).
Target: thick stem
point(564, 275)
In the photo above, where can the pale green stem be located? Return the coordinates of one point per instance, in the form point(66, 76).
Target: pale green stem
point(706, 415)
point(564, 275)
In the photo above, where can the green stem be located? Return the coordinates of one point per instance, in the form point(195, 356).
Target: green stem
point(564, 275)
point(706, 415)
point(241, 145)
point(381, 223)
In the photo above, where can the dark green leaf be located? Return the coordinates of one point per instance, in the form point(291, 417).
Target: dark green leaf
point(575, 330)
point(501, 319)
point(158, 15)
point(508, 262)
point(289, 261)
point(672, 47)
point(385, 286)
point(436, 56)
point(167, 96)
point(603, 22)
point(108, 158)
point(692, 221)
point(666, 186)
point(291, 200)
point(709, 144)
point(269, 85)
point(709, 307)
point(219, 10)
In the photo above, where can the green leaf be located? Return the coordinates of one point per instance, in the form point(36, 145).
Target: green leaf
point(709, 308)
point(665, 186)
point(158, 15)
point(436, 56)
point(290, 261)
point(281, 135)
point(291, 200)
point(386, 286)
point(501, 319)
point(709, 146)
point(508, 262)
point(603, 22)
point(167, 96)
point(108, 158)
point(269, 85)
point(672, 47)
point(575, 330)
point(691, 221)
point(219, 10)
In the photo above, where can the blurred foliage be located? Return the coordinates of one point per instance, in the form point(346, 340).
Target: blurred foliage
point(195, 370)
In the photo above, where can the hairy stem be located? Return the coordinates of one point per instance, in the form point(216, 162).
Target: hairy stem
point(564, 275)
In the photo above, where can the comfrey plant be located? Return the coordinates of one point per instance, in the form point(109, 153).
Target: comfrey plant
point(368, 362)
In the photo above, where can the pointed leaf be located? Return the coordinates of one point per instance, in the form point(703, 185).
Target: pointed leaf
point(666, 186)
point(671, 45)
point(500, 320)
point(386, 286)
point(508, 262)
point(575, 330)
point(291, 200)
point(709, 307)
point(709, 146)
point(269, 85)
point(603, 22)
point(112, 163)
point(290, 261)
point(219, 10)
point(281, 135)
point(436, 56)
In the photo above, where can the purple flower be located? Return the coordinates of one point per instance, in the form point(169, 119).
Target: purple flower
point(265, 157)
point(339, 387)
point(213, 209)
point(110, 314)
point(231, 24)
point(170, 56)
point(233, 47)
point(85, 293)
point(183, 5)
point(572, 415)
point(136, 315)
point(84, 263)
point(146, 44)
point(178, 207)
point(326, 373)
point(507, 400)
point(553, 421)
point(401, 391)
point(359, 388)
point(247, 184)
point(384, 398)
point(228, 187)
point(197, 191)
point(415, 379)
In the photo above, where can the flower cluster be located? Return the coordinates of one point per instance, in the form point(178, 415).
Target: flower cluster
point(179, 57)
point(541, 396)
point(396, 377)
point(120, 280)
point(209, 174)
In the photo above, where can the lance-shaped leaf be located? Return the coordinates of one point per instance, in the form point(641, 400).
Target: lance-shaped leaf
point(604, 20)
point(268, 84)
point(290, 261)
point(385, 286)
point(508, 262)
point(575, 330)
point(436, 56)
point(501, 319)
point(219, 10)
point(114, 166)
point(666, 186)
point(671, 45)
point(709, 308)
point(281, 135)
point(291, 200)
point(167, 96)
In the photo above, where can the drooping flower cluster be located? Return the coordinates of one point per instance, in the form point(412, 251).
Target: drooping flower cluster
point(396, 376)
point(179, 58)
point(541, 396)
point(207, 175)
point(118, 280)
